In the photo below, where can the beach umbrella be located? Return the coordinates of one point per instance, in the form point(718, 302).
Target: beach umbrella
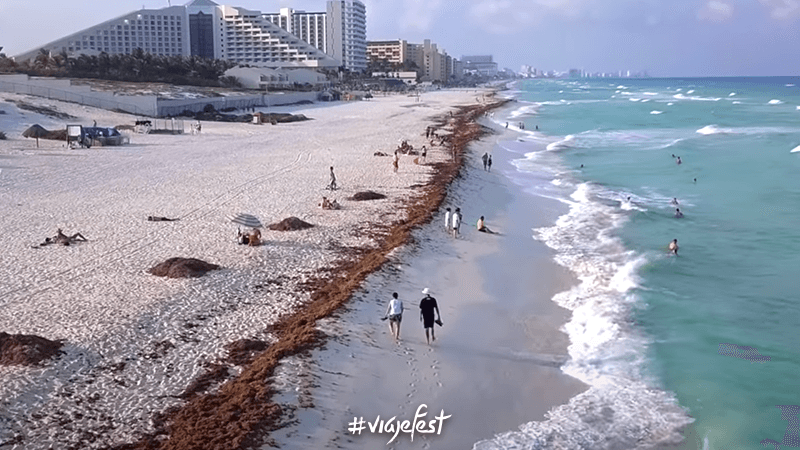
point(247, 220)
point(35, 131)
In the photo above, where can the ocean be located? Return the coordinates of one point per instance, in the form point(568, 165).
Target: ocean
point(705, 344)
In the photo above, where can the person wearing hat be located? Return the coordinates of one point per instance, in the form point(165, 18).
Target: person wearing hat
point(426, 308)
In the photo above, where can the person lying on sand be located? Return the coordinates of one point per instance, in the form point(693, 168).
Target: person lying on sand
point(160, 219)
point(63, 239)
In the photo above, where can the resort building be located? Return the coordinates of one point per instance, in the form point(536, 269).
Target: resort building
point(432, 64)
point(482, 65)
point(347, 33)
point(200, 28)
point(393, 52)
point(308, 26)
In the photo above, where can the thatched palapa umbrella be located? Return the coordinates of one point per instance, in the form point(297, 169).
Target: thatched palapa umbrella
point(35, 131)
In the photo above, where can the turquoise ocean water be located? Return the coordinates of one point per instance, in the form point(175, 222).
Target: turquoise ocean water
point(706, 344)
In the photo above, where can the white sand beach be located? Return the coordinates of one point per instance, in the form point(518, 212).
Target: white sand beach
point(133, 341)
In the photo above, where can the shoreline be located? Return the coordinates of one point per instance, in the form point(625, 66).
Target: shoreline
point(496, 364)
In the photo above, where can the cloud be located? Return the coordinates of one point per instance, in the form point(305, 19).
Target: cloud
point(782, 9)
point(715, 11)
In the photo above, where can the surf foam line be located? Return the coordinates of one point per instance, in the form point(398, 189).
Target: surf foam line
point(622, 408)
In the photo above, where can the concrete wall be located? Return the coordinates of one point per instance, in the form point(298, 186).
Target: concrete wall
point(144, 105)
point(176, 107)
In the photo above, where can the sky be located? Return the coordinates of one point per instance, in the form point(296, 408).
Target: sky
point(667, 38)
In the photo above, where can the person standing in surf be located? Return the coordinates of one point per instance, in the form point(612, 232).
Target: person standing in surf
point(426, 308)
point(673, 247)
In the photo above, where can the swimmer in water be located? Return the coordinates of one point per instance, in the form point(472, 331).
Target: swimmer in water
point(678, 213)
point(673, 247)
point(695, 180)
point(674, 201)
point(679, 160)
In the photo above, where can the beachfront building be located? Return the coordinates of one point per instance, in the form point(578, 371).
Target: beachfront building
point(265, 78)
point(308, 26)
point(347, 33)
point(433, 65)
point(481, 65)
point(200, 28)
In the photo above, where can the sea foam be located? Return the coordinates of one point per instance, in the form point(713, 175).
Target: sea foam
point(796, 150)
point(775, 102)
point(565, 143)
point(621, 408)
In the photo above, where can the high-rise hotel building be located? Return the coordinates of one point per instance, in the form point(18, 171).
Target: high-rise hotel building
point(200, 28)
point(308, 26)
point(347, 33)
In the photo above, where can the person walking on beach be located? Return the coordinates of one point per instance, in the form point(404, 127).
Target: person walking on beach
point(395, 162)
point(456, 222)
point(485, 159)
point(332, 185)
point(424, 153)
point(395, 315)
point(489, 163)
point(447, 220)
point(673, 247)
point(426, 308)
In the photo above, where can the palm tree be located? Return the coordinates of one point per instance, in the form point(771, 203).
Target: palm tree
point(43, 60)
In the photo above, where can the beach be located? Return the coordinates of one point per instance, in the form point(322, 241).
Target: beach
point(496, 361)
point(133, 342)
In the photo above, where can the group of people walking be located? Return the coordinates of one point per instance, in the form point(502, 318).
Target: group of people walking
point(427, 308)
point(487, 162)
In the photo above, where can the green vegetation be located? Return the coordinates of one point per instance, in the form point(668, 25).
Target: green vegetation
point(138, 66)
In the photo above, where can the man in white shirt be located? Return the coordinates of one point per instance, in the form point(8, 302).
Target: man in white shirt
point(395, 314)
point(456, 222)
point(447, 225)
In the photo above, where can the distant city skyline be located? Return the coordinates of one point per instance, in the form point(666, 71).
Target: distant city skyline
point(676, 38)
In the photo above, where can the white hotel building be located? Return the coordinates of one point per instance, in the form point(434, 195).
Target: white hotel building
point(205, 29)
point(308, 26)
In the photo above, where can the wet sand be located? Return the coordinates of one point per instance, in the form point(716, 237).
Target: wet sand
point(495, 363)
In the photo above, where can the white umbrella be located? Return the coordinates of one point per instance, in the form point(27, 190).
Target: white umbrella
point(247, 220)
